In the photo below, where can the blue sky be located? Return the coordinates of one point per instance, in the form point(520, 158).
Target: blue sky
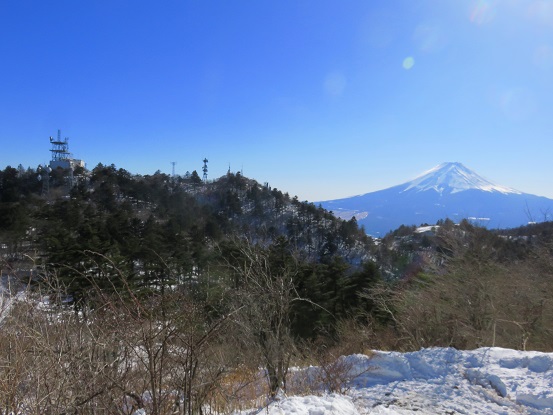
point(322, 99)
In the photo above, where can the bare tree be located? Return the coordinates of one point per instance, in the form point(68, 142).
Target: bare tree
point(265, 292)
point(169, 349)
point(127, 351)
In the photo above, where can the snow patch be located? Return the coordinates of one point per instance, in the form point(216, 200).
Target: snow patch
point(348, 214)
point(536, 401)
point(430, 228)
point(313, 405)
point(485, 381)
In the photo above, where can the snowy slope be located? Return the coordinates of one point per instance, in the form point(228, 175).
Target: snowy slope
point(453, 178)
point(437, 381)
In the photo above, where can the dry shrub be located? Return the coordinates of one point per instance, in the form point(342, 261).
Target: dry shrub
point(328, 368)
point(474, 303)
point(239, 389)
point(355, 335)
point(15, 364)
point(52, 361)
point(335, 371)
point(158, 354)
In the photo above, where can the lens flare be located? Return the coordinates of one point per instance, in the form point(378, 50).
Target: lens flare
point(482, 12)
point(408, 62)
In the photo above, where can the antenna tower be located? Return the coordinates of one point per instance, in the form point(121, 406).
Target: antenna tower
point(204, 169)
point(60, 148)
point(173, 163)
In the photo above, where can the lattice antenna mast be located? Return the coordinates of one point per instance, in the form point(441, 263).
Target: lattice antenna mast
point(173, 172)
point(204, 169)
point(60, 148)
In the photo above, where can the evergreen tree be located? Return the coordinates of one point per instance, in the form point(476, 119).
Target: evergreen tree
point(195, 178)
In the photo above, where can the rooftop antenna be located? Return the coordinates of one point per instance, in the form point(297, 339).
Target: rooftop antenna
point(173, 163)
point(204, 169)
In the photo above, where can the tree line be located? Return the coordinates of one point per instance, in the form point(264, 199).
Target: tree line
point(161, 232)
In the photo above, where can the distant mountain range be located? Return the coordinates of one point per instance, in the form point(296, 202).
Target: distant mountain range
point(449, 190)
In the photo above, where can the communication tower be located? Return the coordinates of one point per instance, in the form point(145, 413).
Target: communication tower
point(204, 169)
point(173, 172)
point(61, 157)
point(60, 151)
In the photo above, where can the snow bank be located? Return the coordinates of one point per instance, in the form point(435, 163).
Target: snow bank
point(486, 381)
point(314, 405)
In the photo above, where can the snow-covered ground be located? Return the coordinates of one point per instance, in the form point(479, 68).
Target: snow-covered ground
point(437, 381)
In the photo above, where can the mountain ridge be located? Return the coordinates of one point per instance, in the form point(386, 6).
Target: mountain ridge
point(449, 190)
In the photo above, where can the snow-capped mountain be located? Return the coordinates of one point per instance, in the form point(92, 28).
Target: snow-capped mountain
point(449, 190)
point(452, 178)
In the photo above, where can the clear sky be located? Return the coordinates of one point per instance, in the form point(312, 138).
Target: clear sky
point(322, 99)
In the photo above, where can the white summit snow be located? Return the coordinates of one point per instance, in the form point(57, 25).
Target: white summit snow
point(453, 178)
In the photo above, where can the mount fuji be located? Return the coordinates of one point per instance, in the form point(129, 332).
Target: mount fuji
point(449, 190)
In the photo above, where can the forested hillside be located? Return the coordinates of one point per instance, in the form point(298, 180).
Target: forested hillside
point(113, 230)
point(120, 287)
point(465, 286)
point(160, 231)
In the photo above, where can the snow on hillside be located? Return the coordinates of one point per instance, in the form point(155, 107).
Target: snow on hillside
point(437, 381)
point(453, 178)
